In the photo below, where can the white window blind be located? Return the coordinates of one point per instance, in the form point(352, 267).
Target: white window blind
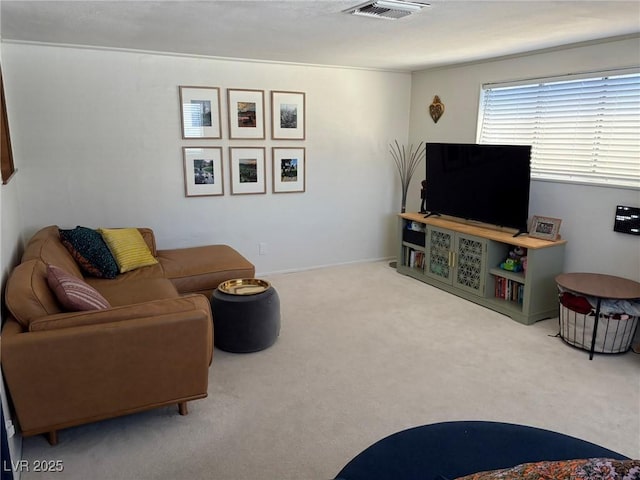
point(582, 131)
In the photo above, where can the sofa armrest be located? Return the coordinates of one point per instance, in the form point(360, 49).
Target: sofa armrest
point(70, 376)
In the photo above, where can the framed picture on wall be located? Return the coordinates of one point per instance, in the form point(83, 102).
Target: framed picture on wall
point(200, 112)
point(287, 115)
point(7, 167)
point(247, 167)
point(288, 170)
point(246, 113)
point(545, 228)
point(203, 174)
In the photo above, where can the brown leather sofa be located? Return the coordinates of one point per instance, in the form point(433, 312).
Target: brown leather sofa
point(152, 347)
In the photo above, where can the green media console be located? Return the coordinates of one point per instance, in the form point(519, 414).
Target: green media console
point(464, 259)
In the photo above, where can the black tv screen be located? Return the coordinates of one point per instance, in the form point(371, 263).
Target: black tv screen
point(486, 183)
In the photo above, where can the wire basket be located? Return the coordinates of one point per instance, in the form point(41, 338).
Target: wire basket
point(614, 335)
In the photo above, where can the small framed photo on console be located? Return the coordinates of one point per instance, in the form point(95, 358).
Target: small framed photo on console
point(545, 228)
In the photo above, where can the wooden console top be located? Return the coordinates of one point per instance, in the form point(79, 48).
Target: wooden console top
point(504, 236)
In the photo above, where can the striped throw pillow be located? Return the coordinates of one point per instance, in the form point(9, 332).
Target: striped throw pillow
point(128, 248)
point(73, 293)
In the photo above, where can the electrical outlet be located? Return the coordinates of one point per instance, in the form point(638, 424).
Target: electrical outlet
point(262, 248)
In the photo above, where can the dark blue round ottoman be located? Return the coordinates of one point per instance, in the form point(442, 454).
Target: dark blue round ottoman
point(246, 315)
point(444, 451)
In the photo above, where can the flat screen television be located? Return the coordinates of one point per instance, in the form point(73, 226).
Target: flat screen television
point(485, 183)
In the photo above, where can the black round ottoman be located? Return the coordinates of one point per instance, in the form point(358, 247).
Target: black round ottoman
point(450, 450)
point(246, 315)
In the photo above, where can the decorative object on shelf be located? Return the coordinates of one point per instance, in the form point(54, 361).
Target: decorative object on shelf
point(423, 197)
point(246, 113)
point(200, 112)
point(247, 166)
point(406, 161)
point(436, 109)
point(288, 169)
point(287, 115)
point(513, 262)
point(203, 171)
point(545, 228)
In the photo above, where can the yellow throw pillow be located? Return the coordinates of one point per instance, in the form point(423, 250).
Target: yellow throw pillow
point(128, 248)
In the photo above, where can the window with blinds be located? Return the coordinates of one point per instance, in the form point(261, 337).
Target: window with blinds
point(580, 130)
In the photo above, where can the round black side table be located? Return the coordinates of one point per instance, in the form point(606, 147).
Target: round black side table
point(246, 315)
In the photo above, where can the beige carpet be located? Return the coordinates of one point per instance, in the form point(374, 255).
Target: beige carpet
point(364, 352)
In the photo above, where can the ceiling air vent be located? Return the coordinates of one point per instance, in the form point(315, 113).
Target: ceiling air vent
point(387, 9)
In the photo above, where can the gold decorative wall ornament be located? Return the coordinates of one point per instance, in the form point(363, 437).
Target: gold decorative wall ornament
point(436, 109)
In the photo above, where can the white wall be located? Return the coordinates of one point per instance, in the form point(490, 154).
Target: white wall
point(587, 213)
point(97, 134)
point(10, 250)
point(96, 137)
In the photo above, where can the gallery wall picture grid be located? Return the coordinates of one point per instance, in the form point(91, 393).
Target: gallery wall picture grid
point(246, 113)
point(200, 112)
point(247, 170)
point(288, 115)
point(288, 170)
point(203, 171)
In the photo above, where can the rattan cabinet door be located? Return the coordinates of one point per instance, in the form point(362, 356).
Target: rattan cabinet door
point(470, 263)
point(439, 254)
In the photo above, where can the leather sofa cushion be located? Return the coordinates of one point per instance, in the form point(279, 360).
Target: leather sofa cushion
point(152, 271)
point(28, 296)
point(45, 245)
point(150, 239)
point(27, 293)
point(202, 269)
point(135, 290)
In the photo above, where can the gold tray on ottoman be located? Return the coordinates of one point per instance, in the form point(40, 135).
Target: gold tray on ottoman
point(244, 286)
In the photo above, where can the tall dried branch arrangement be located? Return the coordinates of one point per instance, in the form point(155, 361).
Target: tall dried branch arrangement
point(406, 162)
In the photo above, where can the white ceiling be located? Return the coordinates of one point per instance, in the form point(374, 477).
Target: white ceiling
point(317, 32)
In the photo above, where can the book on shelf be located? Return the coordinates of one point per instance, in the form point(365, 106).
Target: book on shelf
point(416, 259)
point(507, 289)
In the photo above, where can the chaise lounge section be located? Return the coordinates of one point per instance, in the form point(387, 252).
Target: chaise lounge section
point(151, 346)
